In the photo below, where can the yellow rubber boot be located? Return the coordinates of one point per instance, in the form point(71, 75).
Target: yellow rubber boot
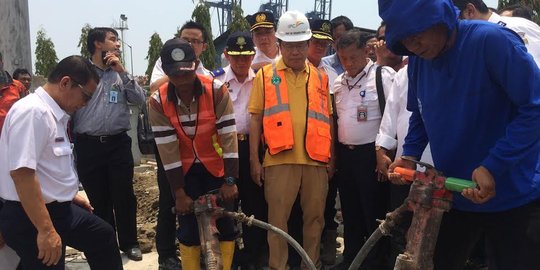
point(191, 257)
point(227, 253)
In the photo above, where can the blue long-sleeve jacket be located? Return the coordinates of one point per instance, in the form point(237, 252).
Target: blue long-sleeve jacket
point(478, 104)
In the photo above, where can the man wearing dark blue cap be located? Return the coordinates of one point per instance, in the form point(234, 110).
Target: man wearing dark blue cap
point(193, 123)
point(481, 116)
point(238, 76)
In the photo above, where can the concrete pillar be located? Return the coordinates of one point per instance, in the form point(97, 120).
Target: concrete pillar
point(15, 35)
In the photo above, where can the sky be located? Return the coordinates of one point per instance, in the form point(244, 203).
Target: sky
point(63, 19)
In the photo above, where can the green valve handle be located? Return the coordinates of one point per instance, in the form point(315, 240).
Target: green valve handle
point(457, 184)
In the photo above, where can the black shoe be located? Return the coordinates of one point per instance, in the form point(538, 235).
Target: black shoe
point(134, 253)
point(172, 263)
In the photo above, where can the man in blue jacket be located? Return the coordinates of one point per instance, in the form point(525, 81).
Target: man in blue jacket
point(474, 94)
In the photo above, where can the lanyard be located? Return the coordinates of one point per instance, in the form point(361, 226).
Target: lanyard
point(359, 79)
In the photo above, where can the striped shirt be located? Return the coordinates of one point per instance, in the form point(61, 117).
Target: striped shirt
point(167, 140)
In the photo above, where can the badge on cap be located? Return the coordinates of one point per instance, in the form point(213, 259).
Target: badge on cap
point(326, 27)
point(241, 41)
point(178, 54)
point(276, 80)
point(260, 18)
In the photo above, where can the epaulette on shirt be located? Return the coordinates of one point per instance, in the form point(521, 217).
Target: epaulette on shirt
point(217, 72)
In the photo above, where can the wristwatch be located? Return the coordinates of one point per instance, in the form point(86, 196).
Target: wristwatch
point(229, 180)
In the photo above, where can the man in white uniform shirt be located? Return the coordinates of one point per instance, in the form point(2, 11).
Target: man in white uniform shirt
point(43, 212)
point(527, 30)
point(263, 31)
point(238, 77)
point(194, 33)
point(363, 198)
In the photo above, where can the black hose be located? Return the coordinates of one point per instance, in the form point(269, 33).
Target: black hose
point(366, 248)
point(261, 224)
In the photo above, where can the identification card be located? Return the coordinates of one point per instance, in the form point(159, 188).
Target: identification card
point(361, 113)
point(113, 96)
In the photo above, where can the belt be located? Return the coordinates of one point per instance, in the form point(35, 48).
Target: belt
point(101, 139)
point(358, 146)
point(242, 137)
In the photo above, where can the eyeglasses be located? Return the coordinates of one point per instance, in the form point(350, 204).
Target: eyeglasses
point(86, 96)
point(294, 45)
point(194, 41)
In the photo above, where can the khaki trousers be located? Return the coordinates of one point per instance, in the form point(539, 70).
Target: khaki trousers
point(282, 185)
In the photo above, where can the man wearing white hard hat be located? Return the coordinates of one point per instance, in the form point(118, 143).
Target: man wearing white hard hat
point(290, 102)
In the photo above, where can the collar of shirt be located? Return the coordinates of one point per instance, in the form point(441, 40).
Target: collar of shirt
point(280, 65)
point(366, 69)
point(197, 91)
point(58, 113)
point(229, 75)
point(495, 18)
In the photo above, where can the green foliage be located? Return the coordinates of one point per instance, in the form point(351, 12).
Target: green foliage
point(533, 4)
point(82, 41)
point(46, 58)
point(153, 53)
point(201, 14)
point(238, 22)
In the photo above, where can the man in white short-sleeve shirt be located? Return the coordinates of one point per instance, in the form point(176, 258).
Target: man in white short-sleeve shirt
point(42, 212)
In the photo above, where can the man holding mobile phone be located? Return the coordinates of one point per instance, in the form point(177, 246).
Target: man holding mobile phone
point(103, 148)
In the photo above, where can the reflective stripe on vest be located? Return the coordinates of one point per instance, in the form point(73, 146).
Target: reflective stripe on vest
point(277, 121)
point(205, 144)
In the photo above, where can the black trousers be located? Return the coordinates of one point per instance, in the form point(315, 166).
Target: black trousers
point(253, 203)
point(198, 181)
point(77, 228)
point(106, 171)
point(363, 200)
point(166, 219)
point(330, 209)
point(512, 238)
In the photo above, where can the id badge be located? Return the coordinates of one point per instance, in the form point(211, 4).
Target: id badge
point(361, 113)
point(113, 96)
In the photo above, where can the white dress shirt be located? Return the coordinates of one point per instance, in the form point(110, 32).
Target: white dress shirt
point(260, 57)
point(158, 72)
point(350, 130)
point(34, 136)
point(528, 31)
point(395, 121)
point(239, 93)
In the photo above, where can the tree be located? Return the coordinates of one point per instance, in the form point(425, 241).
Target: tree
point(238, 22)
point(153, 53)
point(201, 14)
point(46, 58)
point(82, 41)
point(533, 4)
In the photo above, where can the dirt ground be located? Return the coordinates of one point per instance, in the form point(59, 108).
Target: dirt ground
point(147, 193)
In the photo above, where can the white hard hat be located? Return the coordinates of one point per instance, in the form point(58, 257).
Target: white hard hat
point(293, 26)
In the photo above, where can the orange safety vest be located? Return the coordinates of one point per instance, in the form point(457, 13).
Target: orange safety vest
point(204, 145)
point(277, 122)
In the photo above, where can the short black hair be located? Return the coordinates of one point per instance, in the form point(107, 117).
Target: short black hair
point(478, 4)
point(20, 71)
point(341, 20)
point(519, 11)
point(195, 25)
point(97, 34)
point(353, 36)
point(77, 68)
